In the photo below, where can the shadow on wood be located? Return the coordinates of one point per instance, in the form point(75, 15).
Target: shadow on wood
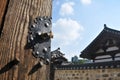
point(9, 65)
point(35, 68)
point(28, 46)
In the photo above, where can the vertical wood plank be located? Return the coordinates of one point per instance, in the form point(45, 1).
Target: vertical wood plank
point(14, 39)
point(2, 9)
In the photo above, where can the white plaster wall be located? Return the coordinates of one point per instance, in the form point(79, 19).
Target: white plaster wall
point(104, 56)
point(103, 60)
point(112, 48)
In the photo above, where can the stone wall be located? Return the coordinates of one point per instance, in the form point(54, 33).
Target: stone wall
point(88, 74)
point(90, 71)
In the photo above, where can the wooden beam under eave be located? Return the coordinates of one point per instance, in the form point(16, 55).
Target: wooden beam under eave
point(107, 53)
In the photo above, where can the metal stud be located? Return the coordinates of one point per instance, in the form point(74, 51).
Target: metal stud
point(45, 50)
point(41, 63)
point(47, 60)
point(37, 53)
point(46, 24)
point(41, 19)
point(39, 33)
point(33, 25)
point(31, 37)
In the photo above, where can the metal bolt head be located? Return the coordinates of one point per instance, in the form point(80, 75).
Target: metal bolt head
point(41, 19)
point(31, 37)
point(44, 49)
point(33, 25)
point(47, 60)
point(41, 63)
point(46, 24)
point(39, 33)
point(37, 52)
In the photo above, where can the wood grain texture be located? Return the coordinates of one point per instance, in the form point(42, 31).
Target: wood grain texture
point(2, 9)
point(14, 39)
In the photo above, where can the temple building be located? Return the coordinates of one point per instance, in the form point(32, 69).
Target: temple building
point(104, 51)
point(57, 59)
point(105, 47)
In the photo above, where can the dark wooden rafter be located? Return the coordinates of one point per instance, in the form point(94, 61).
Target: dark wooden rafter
point(111, 53)
point(108, 53)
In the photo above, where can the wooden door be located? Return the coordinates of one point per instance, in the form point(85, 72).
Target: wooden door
point(17, 62)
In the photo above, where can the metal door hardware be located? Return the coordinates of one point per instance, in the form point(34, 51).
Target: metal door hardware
point(39, 36)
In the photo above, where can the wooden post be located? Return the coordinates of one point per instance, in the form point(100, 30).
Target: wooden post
point(16, 62)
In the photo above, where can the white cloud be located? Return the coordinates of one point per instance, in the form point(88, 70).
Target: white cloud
point(67, 9)
point(66, 31)
point(86, 2)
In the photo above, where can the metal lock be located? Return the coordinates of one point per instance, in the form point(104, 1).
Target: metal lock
point(39, 38)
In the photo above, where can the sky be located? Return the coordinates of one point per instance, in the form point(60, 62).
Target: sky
point(76, 23)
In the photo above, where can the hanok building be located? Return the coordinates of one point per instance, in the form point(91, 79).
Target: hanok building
point(105, 53)
point(57, 59)
point(105, 47)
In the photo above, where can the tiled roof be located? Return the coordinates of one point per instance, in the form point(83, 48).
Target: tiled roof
point(105, 34)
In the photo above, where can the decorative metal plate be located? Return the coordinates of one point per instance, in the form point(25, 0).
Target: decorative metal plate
point(39, 38)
